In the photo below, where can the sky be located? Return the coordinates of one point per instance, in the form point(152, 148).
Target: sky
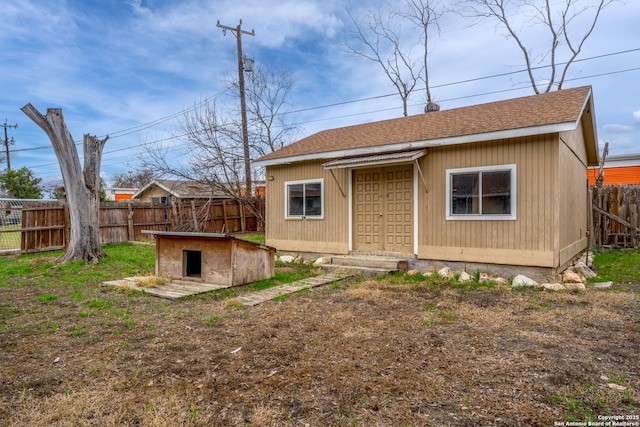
point(130, 68)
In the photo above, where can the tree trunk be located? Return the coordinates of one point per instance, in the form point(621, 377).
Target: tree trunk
point(82, 187)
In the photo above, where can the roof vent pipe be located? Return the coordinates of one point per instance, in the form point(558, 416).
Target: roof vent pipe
point(431, 106)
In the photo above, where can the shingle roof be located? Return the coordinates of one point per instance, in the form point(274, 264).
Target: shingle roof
point(183, 189)
point(531, 114)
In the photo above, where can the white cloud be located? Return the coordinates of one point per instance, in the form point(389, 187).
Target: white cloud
point(617, 128)
point(113, 67)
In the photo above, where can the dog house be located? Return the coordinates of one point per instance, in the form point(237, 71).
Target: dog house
point(213, 258)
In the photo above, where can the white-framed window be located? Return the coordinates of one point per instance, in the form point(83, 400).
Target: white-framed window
point(304, 199)
point(482, 193)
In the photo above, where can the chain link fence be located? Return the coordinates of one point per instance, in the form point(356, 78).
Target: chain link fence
point(11, 223)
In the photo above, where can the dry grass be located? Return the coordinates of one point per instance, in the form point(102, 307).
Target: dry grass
point(369, 353)
point(151, 281)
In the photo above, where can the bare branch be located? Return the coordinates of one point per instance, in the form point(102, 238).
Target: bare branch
point(376, 40)
point(425, 15)
point(556, 17)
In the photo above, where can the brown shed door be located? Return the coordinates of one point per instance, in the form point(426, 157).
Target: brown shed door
point(383, 209)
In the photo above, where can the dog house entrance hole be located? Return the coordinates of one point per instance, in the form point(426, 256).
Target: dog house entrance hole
point(192, 262)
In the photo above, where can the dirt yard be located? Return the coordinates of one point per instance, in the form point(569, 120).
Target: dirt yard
point(390, 352)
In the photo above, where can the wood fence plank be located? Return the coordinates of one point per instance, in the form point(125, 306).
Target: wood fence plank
point(616, 215)
point(46, 225)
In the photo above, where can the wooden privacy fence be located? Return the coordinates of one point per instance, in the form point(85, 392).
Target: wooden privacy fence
point(616, 215)
point(45, 226)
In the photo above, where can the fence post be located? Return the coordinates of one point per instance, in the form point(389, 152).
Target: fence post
point(130, 230)
point(225, 226)
point(243, 225)
point(67, 225)
point(194, 216)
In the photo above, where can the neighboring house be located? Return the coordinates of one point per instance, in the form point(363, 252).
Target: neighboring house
point(618, 170)
point(160, 190)
point(157, 191)
point(120, 194)
point(503, 182)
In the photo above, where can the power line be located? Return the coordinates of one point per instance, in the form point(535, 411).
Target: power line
point(132, 130)
point(174, 137)
point(144, 126)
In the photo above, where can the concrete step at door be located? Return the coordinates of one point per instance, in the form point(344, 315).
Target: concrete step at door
point(373, 263)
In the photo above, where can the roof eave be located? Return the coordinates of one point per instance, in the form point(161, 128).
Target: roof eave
point(588, 121)
point(414, 145)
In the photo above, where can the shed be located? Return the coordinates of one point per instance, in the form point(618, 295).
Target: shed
point(213, 258)
point(497, 183)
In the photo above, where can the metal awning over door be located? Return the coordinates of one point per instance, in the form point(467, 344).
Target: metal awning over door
point(374, 160)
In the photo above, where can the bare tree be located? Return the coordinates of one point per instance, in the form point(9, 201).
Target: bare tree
point(424, 14)
point(267, 101)
point(214, 137)
point(380, 38)
point(82, 185)
point(568, 25)
point(376, 40)
point(133, 178)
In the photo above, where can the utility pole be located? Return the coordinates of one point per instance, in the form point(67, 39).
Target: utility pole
point(8, 142)
point(238, 31)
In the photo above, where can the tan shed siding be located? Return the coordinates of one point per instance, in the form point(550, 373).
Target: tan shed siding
point(574, 140)
point(573, 195)
point(309, 235)
point(531, 234)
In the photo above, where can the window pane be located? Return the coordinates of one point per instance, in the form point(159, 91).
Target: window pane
point(496, 193)
point(464, 194)
point(313, 199)
point(296, 199)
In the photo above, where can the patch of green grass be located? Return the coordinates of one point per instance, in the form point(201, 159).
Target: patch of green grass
point(122, 260)
point(255, 238)
point(47, 298)
point(77, 296)
point(77, 331)
point(617, 378)
point(297, 272)
point(588, 399)
point(122, 312)
point(100, 304)
point(193, 413)
point(211, 320)
point(49, 326)
point(437, 283)
point(618, 265)
point(281, 297)
point(11, 240)
point(437, 316)
point(574, 408)
point(473, 284)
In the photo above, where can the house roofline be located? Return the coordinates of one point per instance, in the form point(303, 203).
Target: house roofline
point(415, 145)
point(159, 184)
